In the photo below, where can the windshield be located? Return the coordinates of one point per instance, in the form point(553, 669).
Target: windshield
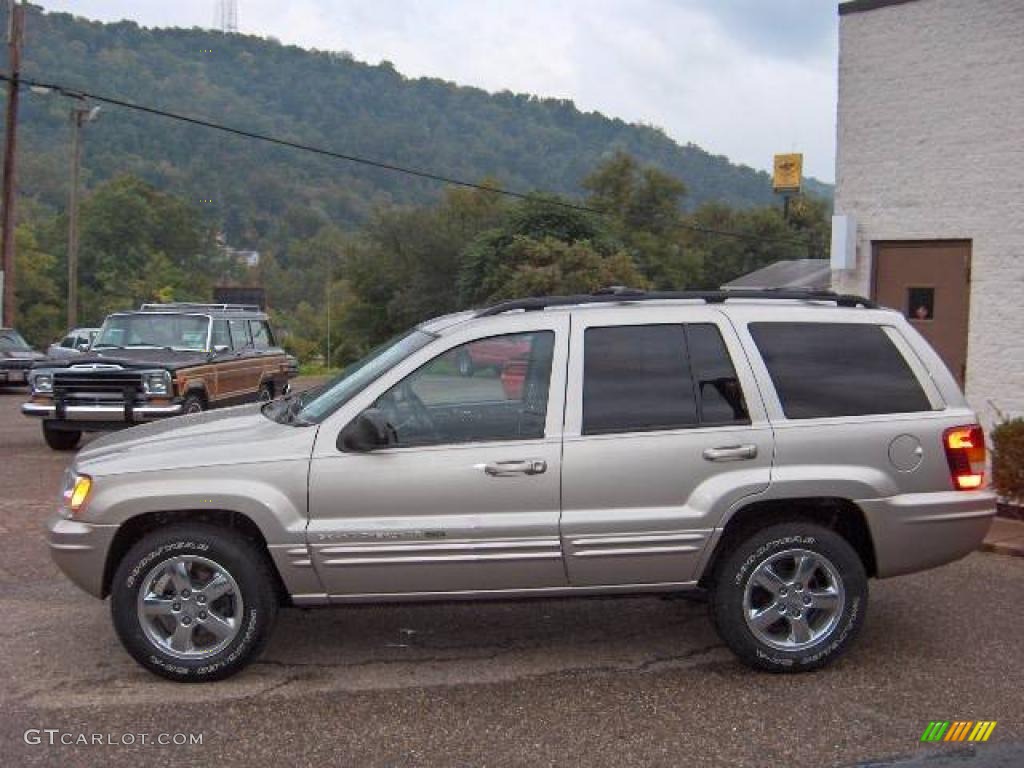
point(164, 330)
point(313, 406)
point(10, 339)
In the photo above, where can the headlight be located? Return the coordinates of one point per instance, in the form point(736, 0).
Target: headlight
point(76, 492)
point(42, 383)
point(158, 383)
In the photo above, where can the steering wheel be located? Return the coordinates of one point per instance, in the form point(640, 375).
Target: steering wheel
point(419, 420)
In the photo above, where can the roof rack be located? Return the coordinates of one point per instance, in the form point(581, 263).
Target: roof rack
point(179, 305)
point(622, 294)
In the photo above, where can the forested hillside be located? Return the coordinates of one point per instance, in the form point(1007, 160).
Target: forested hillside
point(323, 98)
point(350, 255)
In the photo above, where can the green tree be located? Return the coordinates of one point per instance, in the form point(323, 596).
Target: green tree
point(40, 309)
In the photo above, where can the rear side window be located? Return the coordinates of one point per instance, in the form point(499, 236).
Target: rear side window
point(837, 369)
point(640, 378)
point(260, 335)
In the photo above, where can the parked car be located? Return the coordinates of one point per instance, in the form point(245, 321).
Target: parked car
point(163, 360)
point(75, 342)
point(16, 358)
point(775, 449)
point(491, 354)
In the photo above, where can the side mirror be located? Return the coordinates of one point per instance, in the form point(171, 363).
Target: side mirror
point(83, 347)
point(369, 431)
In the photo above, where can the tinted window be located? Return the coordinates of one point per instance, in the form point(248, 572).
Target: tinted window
point(260, 337)
point(502, 396)
point(636, 378)
point(719, 393)
point(837, 369)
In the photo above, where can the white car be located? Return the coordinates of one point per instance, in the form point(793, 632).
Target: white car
point(75, 342)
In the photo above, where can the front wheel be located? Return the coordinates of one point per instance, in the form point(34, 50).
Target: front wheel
point(193, 403)
point(61, 439)
point(790, 597)
point(193, 603)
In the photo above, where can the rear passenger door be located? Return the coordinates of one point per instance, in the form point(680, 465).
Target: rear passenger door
point(665, 429)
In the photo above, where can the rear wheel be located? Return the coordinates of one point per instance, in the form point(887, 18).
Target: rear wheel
point(266, 392)
point(60, 439)
point(789, 598)
point(193, 603)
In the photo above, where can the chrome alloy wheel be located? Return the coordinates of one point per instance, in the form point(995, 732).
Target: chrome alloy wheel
point(190, 607)
point(793, 600)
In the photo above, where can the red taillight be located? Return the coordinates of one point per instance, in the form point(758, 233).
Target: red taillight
point(965, 452)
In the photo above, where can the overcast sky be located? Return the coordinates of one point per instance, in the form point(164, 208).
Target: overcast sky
point(741, 78)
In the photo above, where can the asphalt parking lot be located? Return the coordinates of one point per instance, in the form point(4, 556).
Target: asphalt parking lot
point(623, 682)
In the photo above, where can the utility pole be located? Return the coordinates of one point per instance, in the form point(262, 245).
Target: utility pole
point(15, 32)
point(80, 115)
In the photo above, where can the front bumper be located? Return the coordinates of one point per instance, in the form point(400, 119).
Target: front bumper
point(13, 376)
point(80, 550)
point(917, 531)
point(104, 413)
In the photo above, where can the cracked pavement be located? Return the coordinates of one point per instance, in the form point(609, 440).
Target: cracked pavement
point(602, 681)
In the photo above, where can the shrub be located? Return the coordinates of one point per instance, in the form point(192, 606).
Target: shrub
point(1008, 459)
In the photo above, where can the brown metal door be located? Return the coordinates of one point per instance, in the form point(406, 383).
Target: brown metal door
point(929, 281)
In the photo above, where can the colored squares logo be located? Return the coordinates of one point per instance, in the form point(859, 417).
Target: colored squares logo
point(958, 730)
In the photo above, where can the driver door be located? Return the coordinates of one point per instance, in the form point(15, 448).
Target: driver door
point(467, 498)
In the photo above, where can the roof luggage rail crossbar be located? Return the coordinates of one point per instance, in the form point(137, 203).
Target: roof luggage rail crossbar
point(178, 305)
point(619, 294)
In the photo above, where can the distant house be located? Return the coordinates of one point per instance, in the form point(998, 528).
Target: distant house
point(805, 274)
point(930, 179)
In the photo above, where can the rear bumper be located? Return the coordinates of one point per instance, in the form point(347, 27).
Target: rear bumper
point(101, 413)
point(918, 531)
point(80, 550)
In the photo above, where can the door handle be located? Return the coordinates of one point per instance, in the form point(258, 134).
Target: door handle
point(731, 453)
point(517, 467)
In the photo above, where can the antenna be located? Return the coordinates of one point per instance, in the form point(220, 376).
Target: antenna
point(227, 16)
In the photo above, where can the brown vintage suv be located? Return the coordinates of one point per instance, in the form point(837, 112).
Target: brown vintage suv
point(163, 360)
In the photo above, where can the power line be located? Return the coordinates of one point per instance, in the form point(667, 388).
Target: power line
point(80, 94)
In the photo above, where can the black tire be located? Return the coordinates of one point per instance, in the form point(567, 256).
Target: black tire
point(59, 439)
point(465, 363)
point(266, 393)
point(734, 571)
point(193, 403)
point(236, 556)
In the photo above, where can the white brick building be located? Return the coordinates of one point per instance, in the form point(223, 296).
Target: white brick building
point(930, 167)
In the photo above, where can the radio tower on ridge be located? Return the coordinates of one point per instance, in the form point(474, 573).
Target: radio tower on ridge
point(227, 16)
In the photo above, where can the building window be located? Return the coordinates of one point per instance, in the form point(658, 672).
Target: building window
point(920, 303)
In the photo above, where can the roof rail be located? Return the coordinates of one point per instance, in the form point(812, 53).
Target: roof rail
point(179, 305)
point(620, 294)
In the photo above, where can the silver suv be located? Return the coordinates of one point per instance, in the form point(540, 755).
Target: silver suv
point(774, 449)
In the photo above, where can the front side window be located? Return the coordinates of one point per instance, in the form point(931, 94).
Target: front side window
point(221, 336)
point(837, 369)
point(240, 334)
point(68, 342)
point(502, 395)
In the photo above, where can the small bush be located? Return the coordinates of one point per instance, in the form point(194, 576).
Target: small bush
point(1008, 459)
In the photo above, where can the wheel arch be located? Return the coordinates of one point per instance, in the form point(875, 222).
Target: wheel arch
point(133, 529)
point(841, 515)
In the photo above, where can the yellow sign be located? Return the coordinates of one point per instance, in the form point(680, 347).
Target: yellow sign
point(788, 171)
